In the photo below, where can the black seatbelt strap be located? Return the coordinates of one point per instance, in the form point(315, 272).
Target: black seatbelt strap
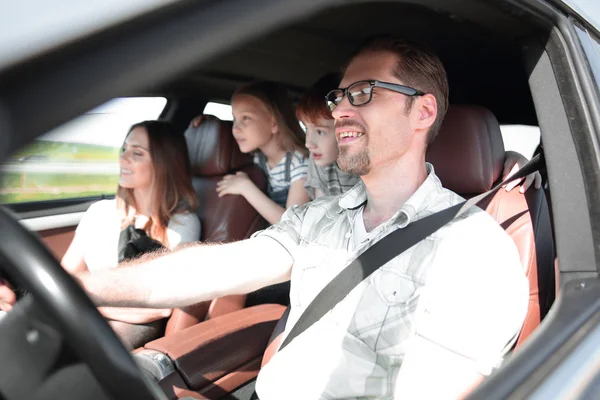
point(385, 250)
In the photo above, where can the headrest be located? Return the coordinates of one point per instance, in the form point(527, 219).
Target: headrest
point(468, 153)
point(212, 149)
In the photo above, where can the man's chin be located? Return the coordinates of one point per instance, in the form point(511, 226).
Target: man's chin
point(355, 165)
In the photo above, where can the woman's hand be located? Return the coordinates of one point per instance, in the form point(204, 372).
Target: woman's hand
point(234, 184)
point(7, 296)
point(513, 162)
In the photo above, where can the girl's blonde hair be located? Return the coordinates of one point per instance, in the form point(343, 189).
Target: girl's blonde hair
point(172, 190)
point(274, 96)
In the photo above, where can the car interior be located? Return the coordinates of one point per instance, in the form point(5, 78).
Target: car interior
point(506, 66)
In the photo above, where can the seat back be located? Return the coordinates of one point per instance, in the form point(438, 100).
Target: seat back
point(214, 154)
point(468, 156)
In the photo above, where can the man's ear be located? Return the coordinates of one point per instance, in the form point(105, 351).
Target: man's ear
point(427, 112)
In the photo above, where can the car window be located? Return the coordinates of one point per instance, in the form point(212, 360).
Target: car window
point(78, 159)
point(591, 46)
point(588, 9)
point(523, 139)
point(60, 22)
point(219, 110)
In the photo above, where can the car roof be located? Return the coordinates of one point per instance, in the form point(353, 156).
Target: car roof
point(50, 24)
point(588, 10)
point(476, 42)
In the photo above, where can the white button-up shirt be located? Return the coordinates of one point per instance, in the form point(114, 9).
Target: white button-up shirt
point(463, 288)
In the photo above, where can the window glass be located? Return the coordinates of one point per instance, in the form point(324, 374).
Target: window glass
point(588, 9)
point(219, 110)
point(523, 139)
point(591, 46)
point(79, 158)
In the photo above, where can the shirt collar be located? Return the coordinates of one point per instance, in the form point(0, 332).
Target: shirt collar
point(354, 197)
point(357, 196)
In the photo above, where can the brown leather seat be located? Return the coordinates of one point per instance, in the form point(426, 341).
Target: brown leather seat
point(468, 156)
point(213, 154)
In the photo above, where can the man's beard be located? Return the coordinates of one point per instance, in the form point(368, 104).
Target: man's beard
point(359, 164)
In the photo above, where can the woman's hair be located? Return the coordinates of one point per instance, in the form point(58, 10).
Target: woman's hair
point(275, 98)
point(172, 190)
point(312, 105)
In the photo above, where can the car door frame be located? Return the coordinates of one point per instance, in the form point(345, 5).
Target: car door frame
point(557, 361)
point(185, 30)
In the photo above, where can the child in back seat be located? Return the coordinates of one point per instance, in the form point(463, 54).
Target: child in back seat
point(324, 177)
point(264, 123)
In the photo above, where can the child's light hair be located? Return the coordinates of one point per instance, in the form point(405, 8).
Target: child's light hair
point(274, 96)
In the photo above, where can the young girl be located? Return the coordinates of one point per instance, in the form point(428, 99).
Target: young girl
point(155, 195)
point(265, 123)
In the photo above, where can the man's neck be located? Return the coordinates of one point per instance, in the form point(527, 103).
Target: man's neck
point(389, 187)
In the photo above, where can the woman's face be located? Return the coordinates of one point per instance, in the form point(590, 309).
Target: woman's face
point(135, 161)
point(253, 124)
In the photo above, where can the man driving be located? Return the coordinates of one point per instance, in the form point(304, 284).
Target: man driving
point(428, 324)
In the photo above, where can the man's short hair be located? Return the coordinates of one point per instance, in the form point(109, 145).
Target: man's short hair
point(312, 106)
point(417, 67)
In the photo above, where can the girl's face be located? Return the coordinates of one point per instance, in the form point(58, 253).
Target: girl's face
point(135, 161)
point(320, 141)
point(253, 125)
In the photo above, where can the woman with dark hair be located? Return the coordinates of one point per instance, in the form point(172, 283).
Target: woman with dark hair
point(155, 202)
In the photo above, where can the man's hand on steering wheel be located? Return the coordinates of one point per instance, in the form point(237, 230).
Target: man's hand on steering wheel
point(7, 296)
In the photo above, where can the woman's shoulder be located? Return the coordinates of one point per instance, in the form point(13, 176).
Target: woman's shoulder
point(103, 207)
point(183, 228)
point(187, 218)
point(99, 215)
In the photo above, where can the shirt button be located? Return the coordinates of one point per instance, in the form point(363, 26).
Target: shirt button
point(348, 235)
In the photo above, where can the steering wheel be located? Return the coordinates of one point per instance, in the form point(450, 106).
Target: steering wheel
point(71, 311)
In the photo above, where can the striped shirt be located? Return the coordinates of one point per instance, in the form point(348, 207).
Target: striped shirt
point(462, 288)
point(290, 168)
point(330, 179)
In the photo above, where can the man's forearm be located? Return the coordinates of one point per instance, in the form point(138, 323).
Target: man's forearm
point(134, 315)
point(266, 207)
point(191, 275)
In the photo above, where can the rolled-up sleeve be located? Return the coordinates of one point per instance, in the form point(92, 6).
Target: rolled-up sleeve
point(287, 232)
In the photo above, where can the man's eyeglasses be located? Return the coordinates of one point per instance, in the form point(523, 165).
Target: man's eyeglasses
point(361, 92)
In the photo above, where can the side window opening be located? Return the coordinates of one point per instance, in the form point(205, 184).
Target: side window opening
point(219, 110)
point(523, 139)
point(591, 46)
point(78, 159)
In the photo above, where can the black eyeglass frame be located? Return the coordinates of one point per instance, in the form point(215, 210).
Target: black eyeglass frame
point(395, 87)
